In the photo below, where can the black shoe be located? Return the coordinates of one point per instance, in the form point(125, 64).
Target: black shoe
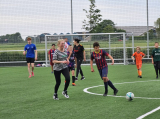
point(76, 79)
point(140, 76)
point(55, 97)
point(105, 94)
point(115, 92)
point(82, 78)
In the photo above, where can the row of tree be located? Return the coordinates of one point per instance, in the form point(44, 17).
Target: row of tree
point(11, 38)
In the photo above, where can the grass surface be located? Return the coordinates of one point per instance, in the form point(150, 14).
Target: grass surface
point(23, 98)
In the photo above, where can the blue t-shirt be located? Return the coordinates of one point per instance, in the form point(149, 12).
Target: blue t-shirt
point(30, 50)
point(68, 43)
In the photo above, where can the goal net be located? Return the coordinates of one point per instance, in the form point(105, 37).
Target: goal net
point(113, 43)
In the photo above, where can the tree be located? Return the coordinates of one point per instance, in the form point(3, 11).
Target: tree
point(93, 16)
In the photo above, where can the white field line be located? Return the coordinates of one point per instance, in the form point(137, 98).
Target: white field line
point(86, 89)
point(148, 113)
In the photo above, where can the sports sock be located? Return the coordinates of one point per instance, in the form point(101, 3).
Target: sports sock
point(111, 85)
point(156, 72)
point(106, 87)
point(73, 79)
point(140, 73)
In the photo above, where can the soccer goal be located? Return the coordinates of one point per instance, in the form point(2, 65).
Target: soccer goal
point(113, 43)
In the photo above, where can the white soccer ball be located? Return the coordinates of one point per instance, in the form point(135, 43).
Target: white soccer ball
point(129, 96)
point(43, 65)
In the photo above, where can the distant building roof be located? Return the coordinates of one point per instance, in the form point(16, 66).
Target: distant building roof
point(137, 30)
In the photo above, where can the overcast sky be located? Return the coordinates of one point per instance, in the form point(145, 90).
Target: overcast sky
point(33, 17)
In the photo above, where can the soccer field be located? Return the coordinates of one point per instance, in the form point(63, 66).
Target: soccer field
point(24, 98)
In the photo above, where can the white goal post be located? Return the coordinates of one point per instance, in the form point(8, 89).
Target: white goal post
point(112, 42)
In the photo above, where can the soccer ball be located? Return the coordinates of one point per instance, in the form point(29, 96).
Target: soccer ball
point(129, 96)
point(43, 65)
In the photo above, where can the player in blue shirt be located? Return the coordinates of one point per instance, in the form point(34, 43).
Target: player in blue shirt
point(71, 58)
point(99, 56)
point(66, 40)
point(31, 55)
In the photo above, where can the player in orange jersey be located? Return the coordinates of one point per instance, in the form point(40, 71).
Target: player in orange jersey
point(138, 59)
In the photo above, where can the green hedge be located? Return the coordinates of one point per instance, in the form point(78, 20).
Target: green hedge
point(18, 56)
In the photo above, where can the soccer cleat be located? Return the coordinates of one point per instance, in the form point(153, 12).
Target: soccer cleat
point(55, 97)
point(73, 84)
point(65, 94)
point(32, 73)
point(82, 78)
point(52, 72)
point(105, 94)
point(76, 79)
point(140, 76)
point(115, 92)
point(29, 76)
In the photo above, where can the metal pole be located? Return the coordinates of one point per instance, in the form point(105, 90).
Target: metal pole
point(132, 43)
point(147, 31)
point(109, 44)
point(124, 49)
point(46, 55)
point(35, 39)
point(71, 23)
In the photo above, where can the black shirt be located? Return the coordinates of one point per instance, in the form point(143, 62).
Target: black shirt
point(79, 51)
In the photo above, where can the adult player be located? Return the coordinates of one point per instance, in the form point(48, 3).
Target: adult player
point(50, 56)
point(31, 55)
point(71, 58)
point(61, 67)
point(80, 55)
point(156, 58)
point(99, 56)
point(138, 59)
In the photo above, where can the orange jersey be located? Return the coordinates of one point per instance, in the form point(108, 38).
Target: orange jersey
point(138, 57)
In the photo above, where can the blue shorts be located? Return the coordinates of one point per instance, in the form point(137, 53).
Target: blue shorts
point(103, 72)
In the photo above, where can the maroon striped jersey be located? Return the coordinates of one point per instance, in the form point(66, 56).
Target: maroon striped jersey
point(100, 58)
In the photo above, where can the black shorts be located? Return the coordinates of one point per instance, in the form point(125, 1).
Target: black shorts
point(30, 60)
point(71, 69)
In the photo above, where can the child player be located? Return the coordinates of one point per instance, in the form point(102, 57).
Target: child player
point(138, 56)
point(99, 56)
point(71, 58)
point(50, 56)
point(156, 58)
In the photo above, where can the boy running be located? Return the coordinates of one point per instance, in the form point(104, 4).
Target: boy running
point(71, 58)
point(99, 56)
point(31, 55)
point(138, 59)
point(156, 58)
point(50, 56)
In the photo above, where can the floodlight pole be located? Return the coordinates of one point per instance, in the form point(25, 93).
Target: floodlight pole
point(147, 31)
point(71, 22)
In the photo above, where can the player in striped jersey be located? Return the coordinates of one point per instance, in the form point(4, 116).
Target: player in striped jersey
point(99, 56)
point(50, 56)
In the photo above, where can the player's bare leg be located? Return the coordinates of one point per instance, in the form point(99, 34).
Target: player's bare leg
point(29, 70)
point(32, 64)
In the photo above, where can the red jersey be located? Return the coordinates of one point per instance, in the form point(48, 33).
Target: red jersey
point(51, 52)
point(100, 58)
